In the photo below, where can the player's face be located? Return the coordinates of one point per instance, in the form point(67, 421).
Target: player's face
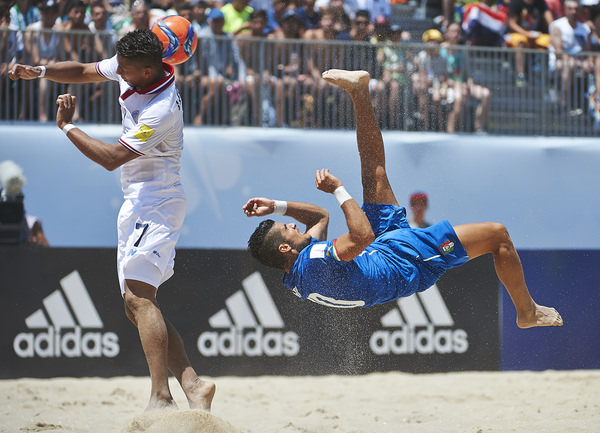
point(131, 72)
point(292, 236)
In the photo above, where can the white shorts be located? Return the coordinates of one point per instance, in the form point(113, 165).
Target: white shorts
point(148, 232)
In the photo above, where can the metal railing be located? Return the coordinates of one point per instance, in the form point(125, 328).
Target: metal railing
point(276, 83)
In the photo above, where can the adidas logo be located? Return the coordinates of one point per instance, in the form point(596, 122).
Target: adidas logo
point(247, 314)
point(52, 342)
point(418, 320)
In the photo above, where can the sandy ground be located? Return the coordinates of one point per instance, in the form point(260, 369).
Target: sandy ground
point(551, 401)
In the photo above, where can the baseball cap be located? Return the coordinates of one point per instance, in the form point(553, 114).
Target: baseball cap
point(432, 35)
point(418, 196)
point(291, 13)
point(215, 14)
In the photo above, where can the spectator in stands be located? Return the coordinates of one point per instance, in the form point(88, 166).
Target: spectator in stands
point(186, 10)
point(557, 8)
point(219, 66)
point(99, 17)
point(9, 53)
point(594, 88)
point(377, 8)
point(289, 68)
point(419, 203)
point(255, 27)
point(322, 57)
point(292, 26)
point(140, 18)
point(361, 29)
point(361, 56)
point(430, 81)
point(396, 69)
point(63, 11)
point(587, 9)
point(460, 86)
point(42, 45)
point(528, 20)
point(275, 14)
point(119, 13)
point(199, 8)
point(161, 8)
point(309, 14)
point(24, 13)
point(100, 26)
point(237, 13)
point(344, 16)
point(79, 46)
point(343, 7)
point(258, 82)
point(568, 37)
point(105, 39)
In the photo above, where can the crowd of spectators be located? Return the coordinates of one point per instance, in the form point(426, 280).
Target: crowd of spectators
point(232, 77)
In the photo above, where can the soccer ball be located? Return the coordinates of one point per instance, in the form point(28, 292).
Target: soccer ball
point(178, 38)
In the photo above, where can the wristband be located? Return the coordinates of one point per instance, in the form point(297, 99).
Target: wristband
point(67, 128)
point(280, 207)
point(341, 195)
point(43, 73)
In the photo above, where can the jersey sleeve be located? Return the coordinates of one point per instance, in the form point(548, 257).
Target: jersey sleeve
point(107, 68)
point(153, 125)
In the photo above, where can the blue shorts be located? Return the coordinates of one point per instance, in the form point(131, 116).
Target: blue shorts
point(433, 250)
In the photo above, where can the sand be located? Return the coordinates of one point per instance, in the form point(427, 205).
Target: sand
point(470, 402)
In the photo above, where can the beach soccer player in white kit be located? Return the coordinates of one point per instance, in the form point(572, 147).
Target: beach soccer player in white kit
point(151, 217)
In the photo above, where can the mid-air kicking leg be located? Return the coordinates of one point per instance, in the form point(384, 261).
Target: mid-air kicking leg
point(477, 239)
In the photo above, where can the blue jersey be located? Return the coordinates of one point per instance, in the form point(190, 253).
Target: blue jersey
point(400, 262)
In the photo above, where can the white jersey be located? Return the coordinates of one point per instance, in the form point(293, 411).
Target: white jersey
point(152, 129)
point(573, 39)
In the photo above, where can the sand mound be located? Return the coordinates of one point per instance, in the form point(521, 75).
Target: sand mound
point(183, 421)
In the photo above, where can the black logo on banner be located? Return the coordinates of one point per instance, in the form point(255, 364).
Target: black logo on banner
point(249, 325)
point(421, 323)
point(62, 327)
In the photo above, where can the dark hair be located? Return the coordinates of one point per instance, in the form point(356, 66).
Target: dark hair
point(142, 46)
point(259, 13)
point(363, 13)
point(264, 245)
point(75, 4)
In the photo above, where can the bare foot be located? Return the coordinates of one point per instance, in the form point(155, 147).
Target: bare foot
point(200, 394)
point(156, 404)
point(347, 80)
point(542, 316)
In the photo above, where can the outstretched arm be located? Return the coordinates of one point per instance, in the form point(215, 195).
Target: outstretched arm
point(62, 72)
point(314, 217)
point(360, 233)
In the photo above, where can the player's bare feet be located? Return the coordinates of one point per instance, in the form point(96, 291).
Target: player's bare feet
point(200, 394)
point(347, 80)
point(542, 316)
point(157, 403)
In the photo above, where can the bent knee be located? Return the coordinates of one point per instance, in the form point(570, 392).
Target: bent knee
point(499, 233)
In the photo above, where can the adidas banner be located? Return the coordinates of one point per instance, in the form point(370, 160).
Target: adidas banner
point(63, 316)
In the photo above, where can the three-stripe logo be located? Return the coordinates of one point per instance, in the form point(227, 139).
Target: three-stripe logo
point(414, 327)
point(70, 309)
point(247, 313)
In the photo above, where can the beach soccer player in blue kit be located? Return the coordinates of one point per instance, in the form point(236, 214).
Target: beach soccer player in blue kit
point(380, 258)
